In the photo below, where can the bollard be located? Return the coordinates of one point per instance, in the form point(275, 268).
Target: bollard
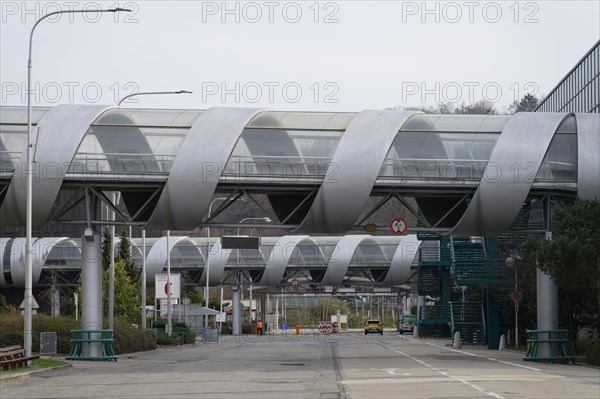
point(297, 329)
point(502, 344)
point(457, 344)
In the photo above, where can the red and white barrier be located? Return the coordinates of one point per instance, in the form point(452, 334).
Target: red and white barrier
point(327, 327)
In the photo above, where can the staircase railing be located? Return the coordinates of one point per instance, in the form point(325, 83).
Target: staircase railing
point(451, 311)
point(483, 323)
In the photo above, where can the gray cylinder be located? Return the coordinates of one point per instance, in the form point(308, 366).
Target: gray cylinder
point(55, 301)
point(547, 308)
point(502, 344)
point(91, 287)
point(236, 311)
point(457, 344)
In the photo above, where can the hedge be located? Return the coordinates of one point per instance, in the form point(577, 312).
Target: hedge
point(180, 334)
point(590, 349)
point(127, 338)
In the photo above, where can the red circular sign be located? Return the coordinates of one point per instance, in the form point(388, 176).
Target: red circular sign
point(516, 296)
point(399, 226)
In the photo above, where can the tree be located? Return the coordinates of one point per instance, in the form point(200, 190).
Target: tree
point(127, 295)
point(441, 108)
point(572, 257)
point(481, 107)
point(106, 249)
point(196, 295)
point(125, 256)
point(5, 307)
point(528, 103)
point(127, 278)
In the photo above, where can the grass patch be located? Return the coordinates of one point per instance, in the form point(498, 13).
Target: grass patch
point(47, 363)
point(37, 364)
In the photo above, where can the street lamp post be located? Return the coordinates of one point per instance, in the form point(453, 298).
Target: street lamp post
point(208, 257)
point(28, 295)
point(146, 93)
point(266, 220)
point(111, 283)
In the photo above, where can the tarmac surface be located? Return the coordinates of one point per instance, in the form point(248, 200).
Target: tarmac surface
point(345, 365)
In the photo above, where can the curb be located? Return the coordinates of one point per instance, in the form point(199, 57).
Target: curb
point(33, 373)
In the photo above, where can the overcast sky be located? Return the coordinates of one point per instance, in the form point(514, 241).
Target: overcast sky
point(305, 55)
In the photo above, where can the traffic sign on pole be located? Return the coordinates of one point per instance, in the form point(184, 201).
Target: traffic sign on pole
point(516, 296)
point(399, 226)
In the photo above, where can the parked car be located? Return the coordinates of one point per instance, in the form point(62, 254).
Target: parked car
point(407, 324)
point(373, 326)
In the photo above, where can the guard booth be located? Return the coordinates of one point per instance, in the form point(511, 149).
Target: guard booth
point(194, 315)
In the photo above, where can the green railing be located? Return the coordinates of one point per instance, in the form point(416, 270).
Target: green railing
point(556, 343)
point(85, 342)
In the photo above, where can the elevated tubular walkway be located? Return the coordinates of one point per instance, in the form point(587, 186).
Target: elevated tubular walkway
point(319, 173)
point(335, 261)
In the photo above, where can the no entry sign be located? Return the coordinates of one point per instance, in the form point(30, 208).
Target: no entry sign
point(399, 226)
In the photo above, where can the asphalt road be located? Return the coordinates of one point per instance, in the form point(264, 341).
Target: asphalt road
point(347, 365)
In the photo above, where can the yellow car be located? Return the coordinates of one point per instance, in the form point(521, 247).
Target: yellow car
point(373, 326)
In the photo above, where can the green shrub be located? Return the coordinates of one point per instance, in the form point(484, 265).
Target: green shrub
point(248, 328)
point(590, 349)
point(11, 332)
point(127, 338)
point(180, 334)
point(226, 327)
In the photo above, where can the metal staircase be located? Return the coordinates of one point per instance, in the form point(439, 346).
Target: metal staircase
point(469, 261)
point(469, 319)
point(433, 280)
point(471, 264)
point(434, 321)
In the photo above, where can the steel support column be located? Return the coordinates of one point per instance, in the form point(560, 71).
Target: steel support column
point(91, 287)
point(547, 308)
point(236, 304)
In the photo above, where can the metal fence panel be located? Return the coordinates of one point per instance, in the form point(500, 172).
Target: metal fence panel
point(48, 343)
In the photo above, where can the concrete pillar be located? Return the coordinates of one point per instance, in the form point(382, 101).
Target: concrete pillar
point(91, 286)
point(502, 344)
point(547, 308)
point(236, 309)
point(55, 301)
point(457, 343)
point(408, 306)
point(420, 304)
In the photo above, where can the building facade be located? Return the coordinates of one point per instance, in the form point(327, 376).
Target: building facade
point(579, 90)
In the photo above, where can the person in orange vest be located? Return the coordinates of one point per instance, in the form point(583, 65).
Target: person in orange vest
point(259, 327)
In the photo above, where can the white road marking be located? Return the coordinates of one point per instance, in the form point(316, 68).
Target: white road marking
point(480, 356)
point(475, 386)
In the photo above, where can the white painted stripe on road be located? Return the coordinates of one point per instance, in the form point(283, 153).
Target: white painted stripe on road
point(475, 386)
point(480, 356)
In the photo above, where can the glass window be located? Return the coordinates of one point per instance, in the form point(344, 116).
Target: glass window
point(133, 141)
point(560, 162)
